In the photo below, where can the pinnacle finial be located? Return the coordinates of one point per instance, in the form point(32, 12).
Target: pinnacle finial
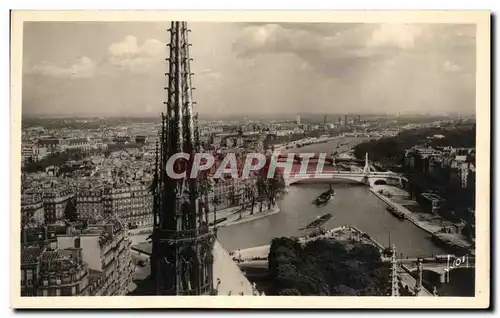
point(179, 104)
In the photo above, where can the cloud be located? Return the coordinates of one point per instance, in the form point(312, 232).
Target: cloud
point(208, 73)
point(335, 50)
point(83, 67)
point(332, 40)
point(125, 55)
point(260, 68)
point(451, 67)
point(343, 50)
point(269, 38)
point(129, 55)
point(400, 35)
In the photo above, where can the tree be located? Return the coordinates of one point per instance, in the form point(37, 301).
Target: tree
point(232, 196)
point(325, 267)
point(468, 231)
point(70, 211)
point(343, 290)
point(251, 194)
point(270, 188)
point(289, 292)
point(391, 150)
point(365, 253)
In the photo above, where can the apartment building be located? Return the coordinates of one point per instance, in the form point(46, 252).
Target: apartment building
point(89, 203)
point(32, 212)
point(431, 202)
point(106, 249)
point(133, 204)
point(55, 201)
point(49, 142)
point(53, 273)
point(230, 193)
point(32, 153)
point(75, 144)
point(42, 236)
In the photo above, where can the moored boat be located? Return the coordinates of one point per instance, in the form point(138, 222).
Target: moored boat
point(396, 213)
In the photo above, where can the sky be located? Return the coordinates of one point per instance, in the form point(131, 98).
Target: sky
point(117, 68)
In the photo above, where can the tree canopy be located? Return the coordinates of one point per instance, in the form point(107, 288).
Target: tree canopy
point(390, 150)
point(326, 267)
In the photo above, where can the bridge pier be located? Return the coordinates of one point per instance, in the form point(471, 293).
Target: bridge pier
point(365, 180)
point(443, 278)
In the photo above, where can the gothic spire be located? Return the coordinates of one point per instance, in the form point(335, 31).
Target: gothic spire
point(179, 90)
point(181, 257)
point(188, 97)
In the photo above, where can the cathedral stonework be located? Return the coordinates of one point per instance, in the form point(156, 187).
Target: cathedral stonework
point(181, 260)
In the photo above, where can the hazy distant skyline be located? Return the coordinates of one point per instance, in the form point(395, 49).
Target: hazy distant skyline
point(117, 68)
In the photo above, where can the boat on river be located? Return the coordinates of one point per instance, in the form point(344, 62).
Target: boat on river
point(396, 213)
point(325, 196)
point(320, 221)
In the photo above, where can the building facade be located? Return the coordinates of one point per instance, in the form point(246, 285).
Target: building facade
point(89, 203)
point(33, 153)
point(75, 145)
point(32, 211)
point(133, 204)
point(42, 236)
point(55, 201)
point(53, 273)
point(230, 193)
point(106, 249)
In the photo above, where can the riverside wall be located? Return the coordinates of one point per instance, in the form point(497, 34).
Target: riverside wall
point(401, 209)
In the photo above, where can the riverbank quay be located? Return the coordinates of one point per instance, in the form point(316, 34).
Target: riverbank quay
point(319, 140)
point(341, 233)
point(234, 218)
point(306, 142)
point(239, 214)
point(431, 223)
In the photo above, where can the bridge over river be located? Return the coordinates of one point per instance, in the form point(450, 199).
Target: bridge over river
point(324, 172)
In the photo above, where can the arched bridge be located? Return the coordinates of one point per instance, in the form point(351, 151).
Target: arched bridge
point(312, 157)
point(442, 267)
point(315, 173)
point(325, 177)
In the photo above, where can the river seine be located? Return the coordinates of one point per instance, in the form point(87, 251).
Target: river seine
point(353, 204)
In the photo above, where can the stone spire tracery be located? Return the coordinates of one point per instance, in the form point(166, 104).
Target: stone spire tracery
point(181, 260)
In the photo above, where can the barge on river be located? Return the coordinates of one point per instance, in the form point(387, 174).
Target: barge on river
point(396, 213)
point(320, 221)
point(324, 197)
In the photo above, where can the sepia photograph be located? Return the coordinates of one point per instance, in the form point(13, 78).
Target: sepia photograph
point(344, 156)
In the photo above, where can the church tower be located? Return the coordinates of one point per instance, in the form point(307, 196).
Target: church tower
point(181, 259)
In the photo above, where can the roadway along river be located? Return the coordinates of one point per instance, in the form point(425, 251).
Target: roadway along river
point(352, 204)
